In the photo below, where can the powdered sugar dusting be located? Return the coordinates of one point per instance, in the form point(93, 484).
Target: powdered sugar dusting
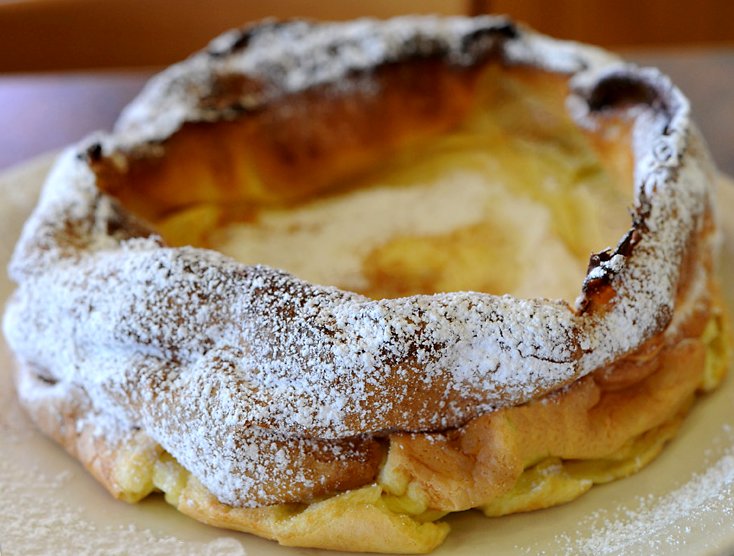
point(326, 241)
point(38, 522)
point(317, 370)
point(284, 58)
point(656, 524)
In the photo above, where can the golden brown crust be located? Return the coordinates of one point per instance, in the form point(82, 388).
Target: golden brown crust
point(271, 390)
point(289, 151)
point(484, 459)
point(600, 423)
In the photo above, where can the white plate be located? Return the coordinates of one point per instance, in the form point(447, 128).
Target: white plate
point(683, 503)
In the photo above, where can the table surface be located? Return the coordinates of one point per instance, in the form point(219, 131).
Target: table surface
point(44, 112)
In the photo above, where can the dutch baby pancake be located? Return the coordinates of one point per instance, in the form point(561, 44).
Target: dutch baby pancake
point(328, 282)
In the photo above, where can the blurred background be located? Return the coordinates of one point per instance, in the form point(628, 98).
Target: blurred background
point(68, 66)
point(45, 35)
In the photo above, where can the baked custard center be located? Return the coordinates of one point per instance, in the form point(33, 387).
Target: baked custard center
point(514, 200)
